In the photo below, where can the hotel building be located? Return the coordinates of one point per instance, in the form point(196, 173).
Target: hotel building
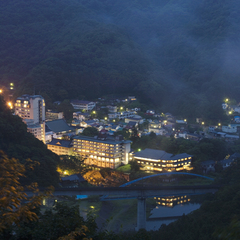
point(32, 110)
point(158, 160)
point(60, 147)
point(102, 153)
point(83, 105)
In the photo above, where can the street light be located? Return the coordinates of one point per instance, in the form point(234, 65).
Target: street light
point(10, 105)
point(1, 90)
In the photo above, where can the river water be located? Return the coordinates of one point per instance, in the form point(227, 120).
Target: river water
point(118, 213)
point(154, 222)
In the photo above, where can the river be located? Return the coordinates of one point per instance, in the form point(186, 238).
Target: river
point(165, 215)
point(121, 215)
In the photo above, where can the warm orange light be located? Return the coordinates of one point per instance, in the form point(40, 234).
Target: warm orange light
point(1, 91)
point(10, 105)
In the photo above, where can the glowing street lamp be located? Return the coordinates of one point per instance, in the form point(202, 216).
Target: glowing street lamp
point(202, 123)
point(219, 124)
point(139, 149)
point(10, 105)
point(105, 118)
point(1, 91)
point(230, 112)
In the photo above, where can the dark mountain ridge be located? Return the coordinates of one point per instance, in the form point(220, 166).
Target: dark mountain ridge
point(180, 55)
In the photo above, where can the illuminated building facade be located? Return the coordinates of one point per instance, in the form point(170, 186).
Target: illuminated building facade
point(102, 153)
point(30, 107)
point(52, 115)
point(158, 160)
point(60, 147)
point(83, 105)
point(171, 201)
point(32, 110)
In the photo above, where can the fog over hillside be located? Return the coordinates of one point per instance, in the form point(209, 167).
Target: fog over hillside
point(182, 56)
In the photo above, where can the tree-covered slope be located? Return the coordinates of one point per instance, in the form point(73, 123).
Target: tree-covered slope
point(62, 49)
point(172, 53)
point(17, 143)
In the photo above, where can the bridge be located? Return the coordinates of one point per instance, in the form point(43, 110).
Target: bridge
point(138, 192)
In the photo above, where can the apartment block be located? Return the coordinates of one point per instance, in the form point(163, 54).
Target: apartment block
point(32, 111)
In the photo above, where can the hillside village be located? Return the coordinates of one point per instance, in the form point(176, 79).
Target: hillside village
point(99, 131)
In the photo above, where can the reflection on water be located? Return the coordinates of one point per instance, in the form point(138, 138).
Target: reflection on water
point(172, 200)
point(169, 209)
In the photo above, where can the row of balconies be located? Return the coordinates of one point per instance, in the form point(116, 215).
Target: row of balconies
point(164, 165)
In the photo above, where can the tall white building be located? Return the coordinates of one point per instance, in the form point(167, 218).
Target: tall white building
point(32, 110)
point(31, 107)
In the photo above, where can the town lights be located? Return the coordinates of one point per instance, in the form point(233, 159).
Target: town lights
point(11, 86)
point(1, 90)
point(94, 112)
point(230, 112)
point(105, 118)
point(202, 123)
point(10, 105)
point(219, 124)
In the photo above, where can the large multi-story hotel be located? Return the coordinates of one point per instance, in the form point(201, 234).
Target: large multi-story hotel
point(158, 160)
point(32, 110)
point(30, 107)
point(102, 153)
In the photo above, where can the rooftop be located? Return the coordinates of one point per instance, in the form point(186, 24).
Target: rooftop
point(58, 125)
point(62, 143)
point(159, 154)
point(108, 141)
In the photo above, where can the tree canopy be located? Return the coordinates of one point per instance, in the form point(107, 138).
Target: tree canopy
point(182, 56)
point(17, 143)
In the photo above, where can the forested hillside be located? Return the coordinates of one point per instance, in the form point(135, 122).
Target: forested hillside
point(17, 143)
point(183, 56)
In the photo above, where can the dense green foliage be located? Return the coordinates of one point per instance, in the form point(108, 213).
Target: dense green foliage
point(17, 143)
point(90, 132)
point(71, 164)
point(52, 224)
point(181, 55)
